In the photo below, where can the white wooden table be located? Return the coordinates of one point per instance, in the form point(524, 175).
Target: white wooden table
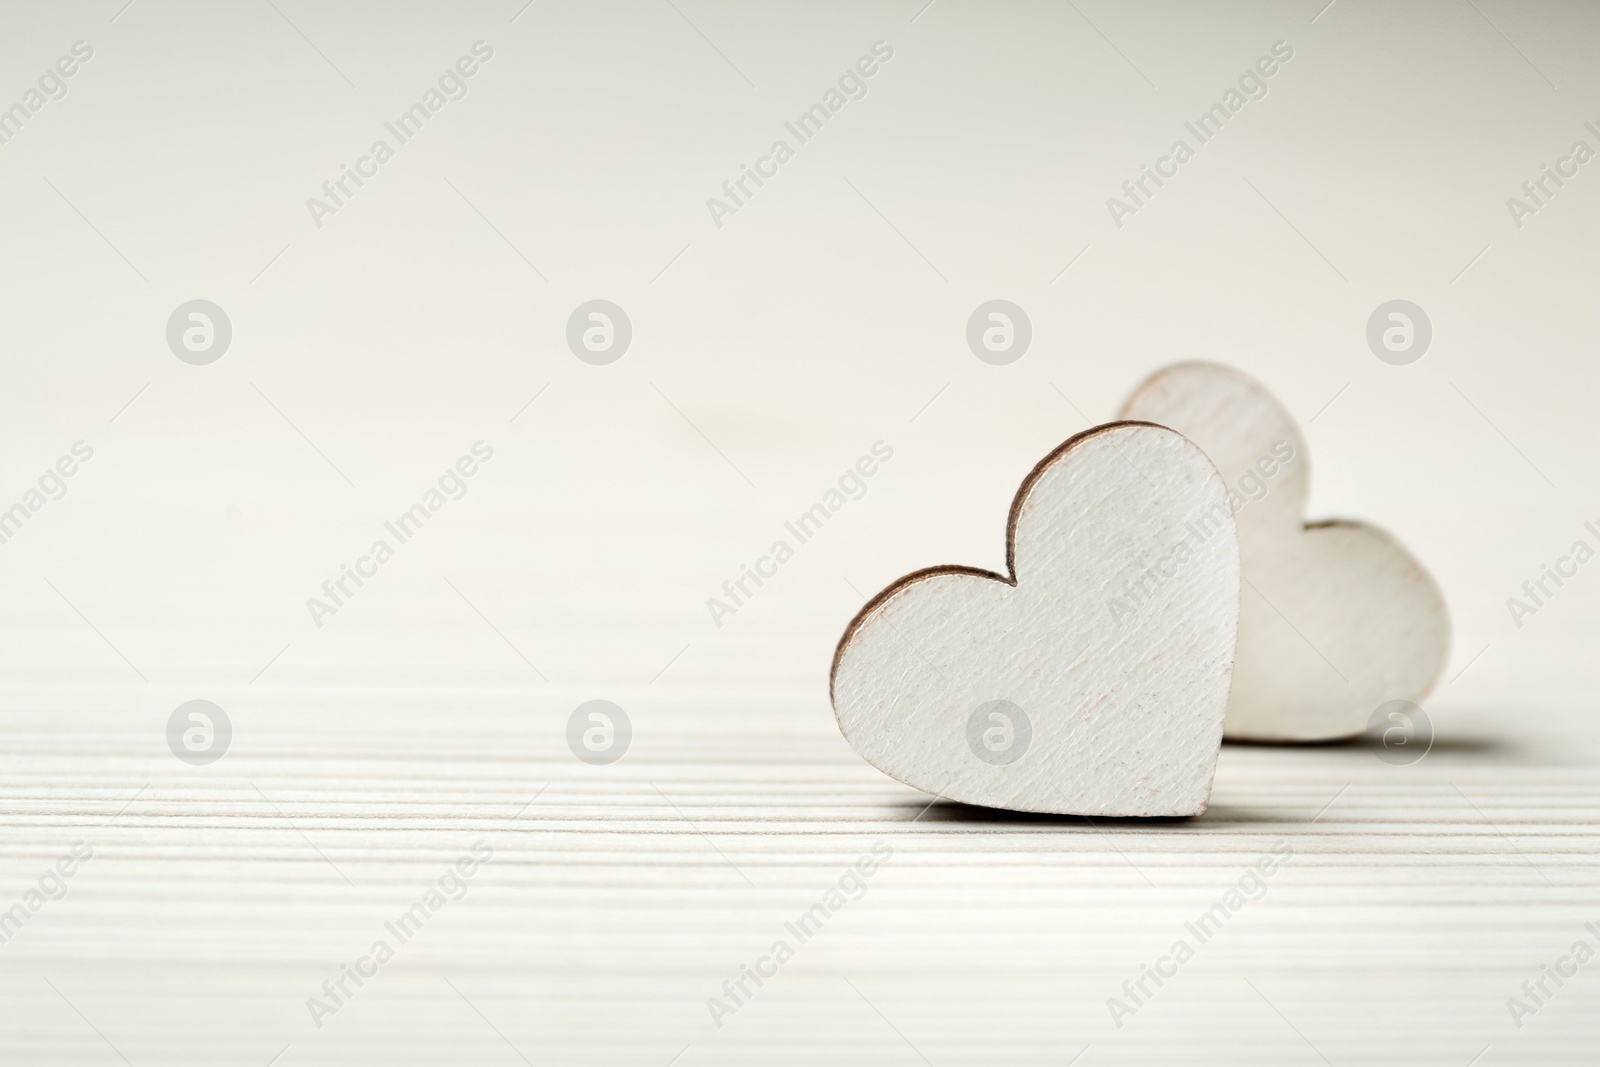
point(620, 898)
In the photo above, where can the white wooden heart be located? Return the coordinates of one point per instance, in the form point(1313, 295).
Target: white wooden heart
point(1051, 690)
point(1336, 618)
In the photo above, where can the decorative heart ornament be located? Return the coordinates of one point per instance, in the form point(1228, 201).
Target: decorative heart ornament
point(1091, 681)
point(1336, 618)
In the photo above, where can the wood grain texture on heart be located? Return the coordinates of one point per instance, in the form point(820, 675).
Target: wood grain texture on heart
point(1336, 618)
point(1045, 689)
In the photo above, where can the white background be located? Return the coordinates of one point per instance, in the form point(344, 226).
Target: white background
point(767, 355)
